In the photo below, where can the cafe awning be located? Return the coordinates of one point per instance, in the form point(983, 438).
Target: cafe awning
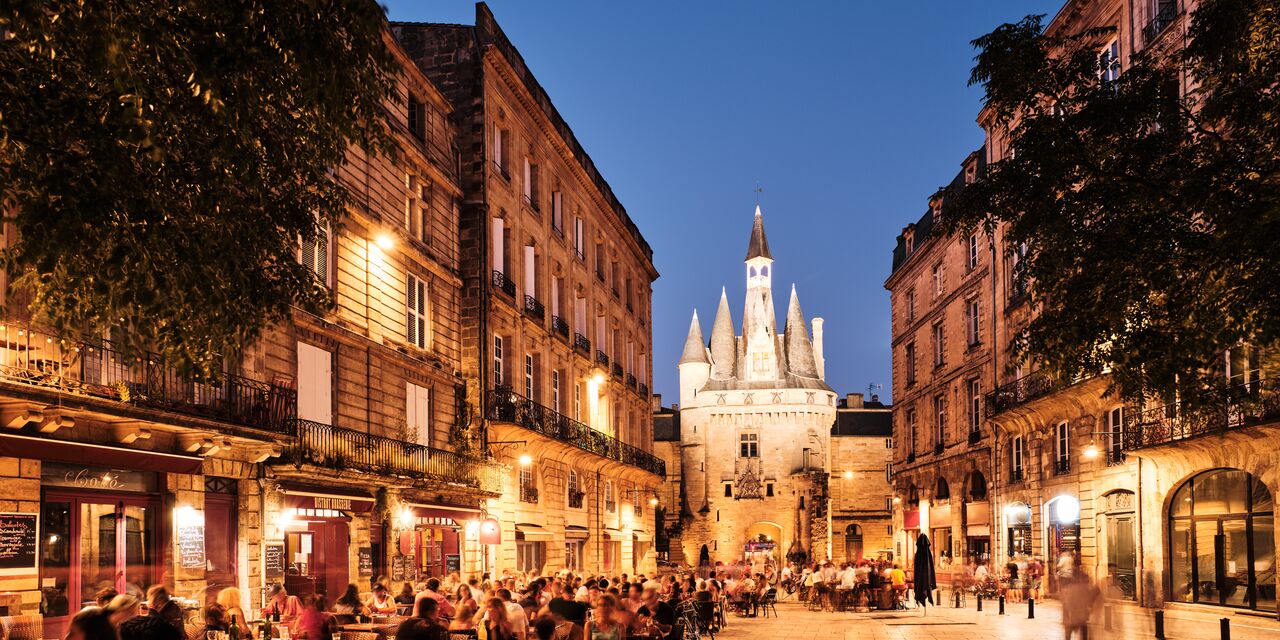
point(613, 534)
point(641, 535)
point(532, 532)
point(575, 532)
point(331, 498)
point(15, 446)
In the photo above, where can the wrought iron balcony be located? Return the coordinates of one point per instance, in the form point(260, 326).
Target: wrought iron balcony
point(1115, 458)
point(582, 344)
point(975, 436)
point(938, 448)
point(534, 309)
point(1156, 25)
point(631, 380)
point(95, 367)
point(602, 358)
point(1016, 476)
point(528, 494)
point(1061, 466)
point(1235, 406)
point(504, 284)
point(644, 389)
point(617, 371)
point(508, 406)
point(575, 499)
point(558, 325)
point(1021, 391)
point(338, 448)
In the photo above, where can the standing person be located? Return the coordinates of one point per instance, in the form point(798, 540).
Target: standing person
point(1035, 576)
point(925, 579)
point(313, 622)
point(1079, 595)
point(496, 625)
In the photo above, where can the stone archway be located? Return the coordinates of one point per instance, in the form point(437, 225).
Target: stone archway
point(763, 541)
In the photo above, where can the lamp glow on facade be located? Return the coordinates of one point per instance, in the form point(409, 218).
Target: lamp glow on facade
point(848, 475)
point(1067, 510)
point(405, 518)
point(385, 241)
point(653, 502)
point(1090, 452)
point(525, 459)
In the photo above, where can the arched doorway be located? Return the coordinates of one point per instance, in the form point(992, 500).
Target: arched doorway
point(853, 543)
point(1120, 549)
point(1222, 541)
point(763, 544)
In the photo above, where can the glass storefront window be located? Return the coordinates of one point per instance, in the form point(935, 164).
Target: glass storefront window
point(1221, 541)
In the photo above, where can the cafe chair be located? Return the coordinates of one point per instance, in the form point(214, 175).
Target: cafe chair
point(768, 602)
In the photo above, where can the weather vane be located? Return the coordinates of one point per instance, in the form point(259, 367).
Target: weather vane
point(759, 190)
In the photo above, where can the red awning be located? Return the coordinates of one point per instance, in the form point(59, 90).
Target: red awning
point(911, 519)
point(16, 446)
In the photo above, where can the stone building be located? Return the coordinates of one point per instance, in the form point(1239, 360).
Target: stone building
point(861, 506)
point(755, 429)
point(1169, 509)
point(121, 473)
point(556, 334)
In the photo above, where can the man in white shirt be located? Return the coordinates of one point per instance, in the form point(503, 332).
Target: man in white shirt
point(848, 577)
point(517, 620)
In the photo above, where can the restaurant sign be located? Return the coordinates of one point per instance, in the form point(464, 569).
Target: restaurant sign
point(329, 502)
point(57, 474)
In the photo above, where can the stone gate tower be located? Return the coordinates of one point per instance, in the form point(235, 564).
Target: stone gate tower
point(756, 416)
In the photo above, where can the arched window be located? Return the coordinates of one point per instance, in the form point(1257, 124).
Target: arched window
point(977, 486)
point(753, 271)
point(1222, 541)
point(764, 271)
point(942, 491)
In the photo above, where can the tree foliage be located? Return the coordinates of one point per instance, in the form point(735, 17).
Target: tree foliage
point(1151, 214)
point(160, 159)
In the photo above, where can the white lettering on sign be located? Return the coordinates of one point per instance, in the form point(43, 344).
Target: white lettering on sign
point(88, 480)
point(337, 504)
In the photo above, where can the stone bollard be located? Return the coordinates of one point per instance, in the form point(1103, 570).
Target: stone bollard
point(957, 594)
point(1031, 608)
point(1159, 620)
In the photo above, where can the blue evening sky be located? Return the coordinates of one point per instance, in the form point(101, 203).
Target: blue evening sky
point(848, 114)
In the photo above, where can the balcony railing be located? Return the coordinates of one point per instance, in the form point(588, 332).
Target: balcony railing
point(938, 448)
point(617, 371)
point(1114, 458)
point(1016, 476)
point(631, 380)
point(528, 494)
point(1061, 466)
point(644, 389)
point(507, 406)
point(338, 448)
point(602, 358)
point(575, 499)
point(558, 325)
point(94, 367)
point(1156, 26)
point(504, 284)
point(1021, 391)
point(975, 436)
point(534, 309)
point(1236, 406)
point(582, 344)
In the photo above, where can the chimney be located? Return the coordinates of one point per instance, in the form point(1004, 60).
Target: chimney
point(655, 402)
point(817, 349)
point(875, 397)
point(675, 406)
point(853, 400)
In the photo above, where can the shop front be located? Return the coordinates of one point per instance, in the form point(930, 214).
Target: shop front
point(1062, 539)
point(1017, 517)
point(940, 538)
point(977, 531)
point(436, 543)
point(317, 526)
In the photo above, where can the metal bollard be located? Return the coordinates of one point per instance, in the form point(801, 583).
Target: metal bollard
point(1001, 605)
point(1159, 620)
point(1031, 608)
point(1225, 626)
point(957, 594)
point(937, 597)
point(979, 601)
point(1106, 617)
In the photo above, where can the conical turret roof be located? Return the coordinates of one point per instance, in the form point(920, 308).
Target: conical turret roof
point(800, 359)
point(758, 246)
point(724, 344)
point(695, 349)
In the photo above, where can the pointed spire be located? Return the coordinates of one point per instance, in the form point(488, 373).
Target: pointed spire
point(724, 344)
point(800, 360)
point(758, 246)
point(695, 349)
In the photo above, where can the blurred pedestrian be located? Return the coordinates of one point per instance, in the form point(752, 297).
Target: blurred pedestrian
point(1079, 596)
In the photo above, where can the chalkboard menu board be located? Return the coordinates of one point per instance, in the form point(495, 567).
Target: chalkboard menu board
point(191, 546)
point(366, 561)
point(18, 533)
point(452, 563)
point(275, 560)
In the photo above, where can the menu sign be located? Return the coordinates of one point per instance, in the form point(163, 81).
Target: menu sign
point(18, 533)
point(191, 546)
point(275, 560)
point(397, 568)
point(366, 561)
point(452, 563)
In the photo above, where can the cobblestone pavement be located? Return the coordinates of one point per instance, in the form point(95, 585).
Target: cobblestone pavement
point(794, 622)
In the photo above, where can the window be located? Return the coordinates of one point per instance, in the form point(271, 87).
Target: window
point(911, 429)
point(500, 146)
point(555, 391)
point(911, 305)
point(1062, 448)
point(939, 348)
point(497, 361)
point(417, 119)
point(973, 252)
point(728, 489)
point(768, 489)
point(579, 238)
point(975, 406)
point(749, 445)
point(1115, 436)
point(417, 208)
point(529, 556)
point(937, 279)
point(1017, 272)
point(1015, 459)
point(557, 212)
point(972, 322)
point(573, 555)
point(1109, 62)
point(575, 491)
point(418, 313)
point(940, 413)
point(910, 358)
point(418, 412)
point(314, 255)
point(315, 384)
point(577, 401)
point(610, 504)
point(531, 183)
point(528, 376)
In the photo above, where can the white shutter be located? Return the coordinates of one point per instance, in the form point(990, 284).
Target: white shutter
point(417, 320)
point(530, 275)
point(418, 412)
point(315, 384)
point(528, 179)
point(555, 297)
point(496, 237)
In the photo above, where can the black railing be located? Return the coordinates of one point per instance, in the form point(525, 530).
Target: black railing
point(528, 494)
point(338, 448)
point(1021, 391)
point(1061, 466)
point(95, 367)
point(1156, 25)
point(644, 389)
point(507, 406)
point(1114, 457)
point(1232, 407)
point(1016, 476)
point(577, 253)
point(975, 436)
point(575, 499)
point(534, 309)
point(558, 325)
point(602, 357)
point(504, 284)
point(582, 344)
point(631, 380)
point(938, 448)
point(599, 275)
point(617, 370)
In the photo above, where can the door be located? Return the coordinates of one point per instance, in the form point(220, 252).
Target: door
point(1122, 554)
point(221, 518)
point(332, 557)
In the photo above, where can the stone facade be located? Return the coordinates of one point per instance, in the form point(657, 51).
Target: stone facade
point(859, 488)
point(556, 314)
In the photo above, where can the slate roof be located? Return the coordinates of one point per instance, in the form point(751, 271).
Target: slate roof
point(863, 423)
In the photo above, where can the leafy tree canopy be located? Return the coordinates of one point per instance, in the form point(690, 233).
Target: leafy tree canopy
point(1149, 203)
point(160, 159)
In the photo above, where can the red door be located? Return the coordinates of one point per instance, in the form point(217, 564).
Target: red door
point(332, 557)
point(221, 523)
